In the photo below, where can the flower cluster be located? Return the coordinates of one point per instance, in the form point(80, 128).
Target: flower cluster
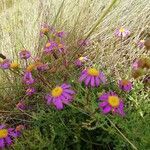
point(8, 135)
point(37, 72)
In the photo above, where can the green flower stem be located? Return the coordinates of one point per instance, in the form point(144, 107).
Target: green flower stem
point(133, 146)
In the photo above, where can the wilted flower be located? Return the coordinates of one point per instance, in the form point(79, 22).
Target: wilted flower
point(60, 34)
point(125, 85)
point(42, 67)
point(21, 106)
point(60, 96)
point(5, 64)
point(28, 79)
point(122, 32)
point(14, 65)
point(24, 54)
point(30, 91)
point(141, 63)
point(140, 43)
point(7, 136)
point(50, 46)
point(83, 42)
point(111, 102)
point(92, 77)
point(80, 61)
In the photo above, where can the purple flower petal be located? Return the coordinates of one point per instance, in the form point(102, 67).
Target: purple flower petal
point(65, 86)
point(66, 95)
point(58, 103)
point(8, 141)
point(49, 99)
point(102, 77)
point(83, 76)
point(92, 81)
point(97, 81)
point(69, 91)
point(103, 104)
point(104, 96)
point(106, 109)
point(87, 80)
point(2, 126)
point(2, 145)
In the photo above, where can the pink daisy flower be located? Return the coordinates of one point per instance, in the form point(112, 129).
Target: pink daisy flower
point(92, 77)
point(7, 136)
point(30, 91)
point(80, 61)
point(111, 103)
point(24, 54)
point(50, 46)
point(5, 64)
point(60, 96)
point(125, 85)
point(122, 32)
point(28, 79)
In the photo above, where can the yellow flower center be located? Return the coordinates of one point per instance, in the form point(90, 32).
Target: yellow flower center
point(122, 30)
point(29, 90)
point(14, 65)
point(81, 58)
point(3, 133)
point(142, 41)
point(60, 46)
point(93, 72)
point(125, 82)
point(48, 45)
point(31, 67)
point(56, 92)
point(113, 101)
point(44, 30)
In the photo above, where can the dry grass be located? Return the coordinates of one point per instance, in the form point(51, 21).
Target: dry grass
point(20, 27)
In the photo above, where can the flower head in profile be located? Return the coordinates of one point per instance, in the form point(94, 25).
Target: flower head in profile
point(28, 79)
point(30, 91)
point(61, 47)
point(14, 65)
point(21, 105)
point(122, 32)
point(7, 136)
point(125, 85)
point(60, 34)
point(60, 96)
point(44, 29)
point(5, 64)
point(31, 67)
point(140, 43)
point(42, 67)
point(50, 46)
point(80, 61)
point(111, 103)
point(92, 77)
point(24, 54)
